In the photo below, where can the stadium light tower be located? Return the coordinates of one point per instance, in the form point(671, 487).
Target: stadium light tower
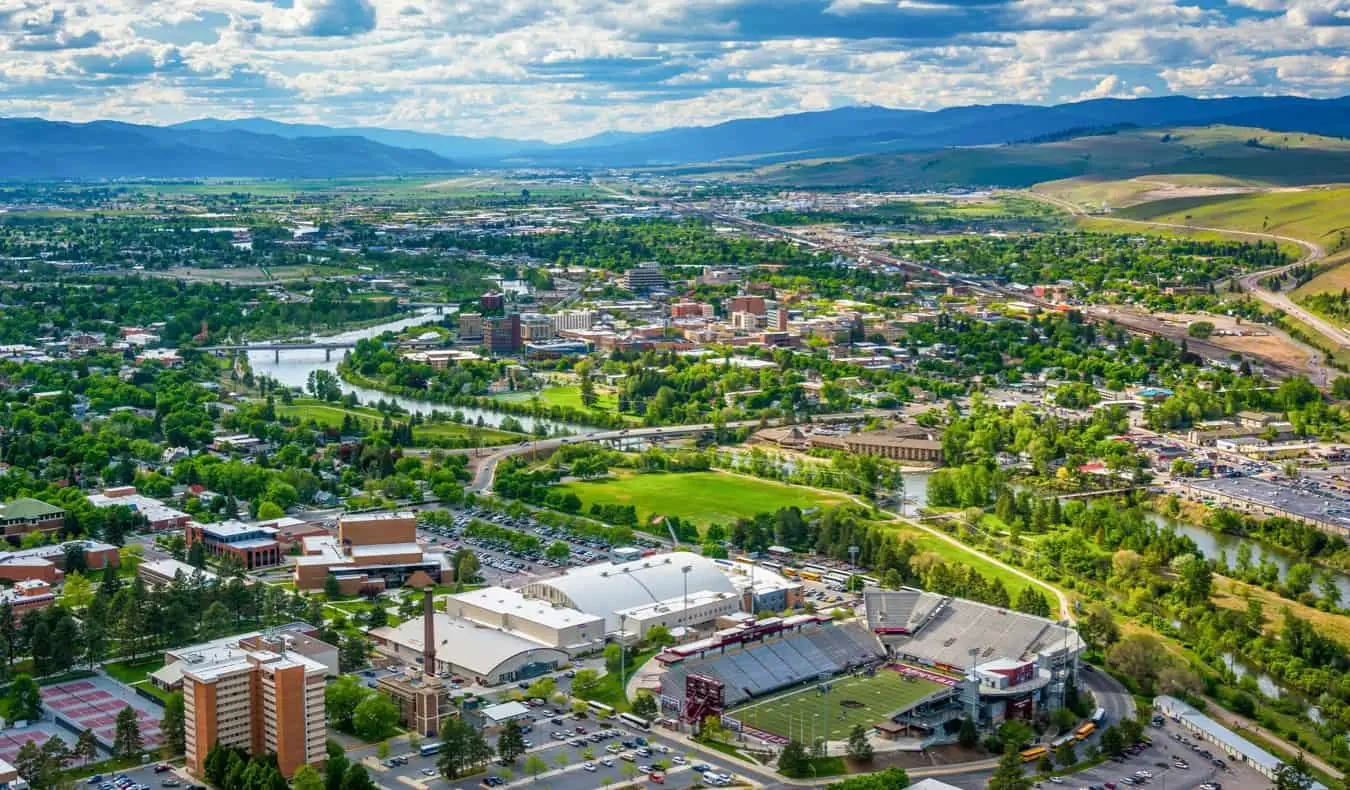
point(684, 614)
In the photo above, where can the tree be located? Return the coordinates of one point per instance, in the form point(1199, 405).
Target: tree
point(588, 396)
point(511, 742)
point(341, 699)
point(542, 688)
point(613, 654)
point(659, 636)
point(793, 762)
point(535, 765)
point(969, 734)
point(1098, 628)
point(331, 590)
point(352, 654)
point(306, 778)
point(77, 591)
point(336, 767)
point(558, 551)
point(375, 718)
point(127, 733)
point(1294, 775)
point(270, 511)
point(174, 724)
point(196, 555)
point(889, 779)
point(859, 748)
point(644, 705)
point(24, 701)
point(586, 683)
point(382, 751)
point(86, 746)
point(1139, 656)
point(30, 762)
point(1111, 741)
point(1065, 755)
point(357, 778)
point(466, 567)
point(462, 749)
point(1008, 775)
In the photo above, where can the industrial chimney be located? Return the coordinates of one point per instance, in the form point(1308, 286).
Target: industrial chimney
point(428, 634)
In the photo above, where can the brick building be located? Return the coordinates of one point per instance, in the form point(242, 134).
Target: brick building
point(20, 516)
point(255, 546)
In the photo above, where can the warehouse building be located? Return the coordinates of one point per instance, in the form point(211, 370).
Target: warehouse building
point(463, 648)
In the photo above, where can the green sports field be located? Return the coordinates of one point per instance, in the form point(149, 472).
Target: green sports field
point(853, 700)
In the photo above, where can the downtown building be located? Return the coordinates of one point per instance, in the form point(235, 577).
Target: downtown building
point(259, 697)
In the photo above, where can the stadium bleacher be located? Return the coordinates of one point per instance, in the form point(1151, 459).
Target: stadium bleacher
point(779, 662)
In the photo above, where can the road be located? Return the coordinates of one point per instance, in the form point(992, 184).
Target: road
point(1250, 282)
point(487, 465)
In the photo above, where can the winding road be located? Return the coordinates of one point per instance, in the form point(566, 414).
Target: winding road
point(1251, 282)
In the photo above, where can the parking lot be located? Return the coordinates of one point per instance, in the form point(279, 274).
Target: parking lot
point(500, 562)
point(567, 758)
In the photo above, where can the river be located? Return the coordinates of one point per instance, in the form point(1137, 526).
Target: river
point(1213, 544)
point(295, 366)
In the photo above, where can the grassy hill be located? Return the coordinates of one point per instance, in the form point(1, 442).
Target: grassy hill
point(1246, 154)
point(1318, 215)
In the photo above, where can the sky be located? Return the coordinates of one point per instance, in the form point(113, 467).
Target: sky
point(563, 69)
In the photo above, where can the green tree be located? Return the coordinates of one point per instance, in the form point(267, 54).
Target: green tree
point(174, 724)
point(357, 778)
point(462, 749)
point(644, 705)
point(659, 636)
point(558, 551)
point(1295, 775)
point(336, 766)
point(586, 683)
point(859, 748)
point(127, 733)
point(77, 591)
point(306, 778)
point(24, 700)
point(270, 511)
point(1008, 775)
point(613, 654)
point(535, 765)
point(1065, 755)
point(969, 734)
point(794, 762)
point(511, 742)
point(1111, 741)
point(331, 590)
point(86, 746)
point(352, 655)
point(375, 718)
point(341, 699)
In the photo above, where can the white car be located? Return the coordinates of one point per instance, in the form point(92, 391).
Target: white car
point(589, 767)
point(607, 762)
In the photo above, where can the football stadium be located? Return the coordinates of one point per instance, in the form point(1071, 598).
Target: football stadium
point(920, 664)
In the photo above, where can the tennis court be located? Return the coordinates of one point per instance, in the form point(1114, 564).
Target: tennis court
point(93, 704)
point(861, 699)
point(12, 740)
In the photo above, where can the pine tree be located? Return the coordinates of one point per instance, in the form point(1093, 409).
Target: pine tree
point(127, 733)
point(174, 724)
point(859, 748)
point(1008, 775)
point(511, 742)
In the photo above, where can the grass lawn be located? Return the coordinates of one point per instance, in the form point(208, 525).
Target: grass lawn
point(611, 692)
point(331, 415)
point(130, 672)
point(870, 700)
point(956, 555)
point(1335, 279)
point(704, 497)
point(568, 395)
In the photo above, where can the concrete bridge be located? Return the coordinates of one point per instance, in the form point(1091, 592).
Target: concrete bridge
point(327, 346)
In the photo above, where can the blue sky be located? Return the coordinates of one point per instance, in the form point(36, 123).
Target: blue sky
point(561, 69)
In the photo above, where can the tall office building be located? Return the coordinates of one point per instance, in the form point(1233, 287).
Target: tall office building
point(644, 277)
point(502, 335)
point(535, 326)
point(260, 700)
point(470, 326)
point(573, 320)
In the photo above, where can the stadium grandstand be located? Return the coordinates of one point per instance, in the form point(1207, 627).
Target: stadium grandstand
point(768, 656)
point(1013, 663)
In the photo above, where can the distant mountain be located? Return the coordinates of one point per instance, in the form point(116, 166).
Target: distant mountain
point(462, 149)
point(31, 148)
point(863, 130)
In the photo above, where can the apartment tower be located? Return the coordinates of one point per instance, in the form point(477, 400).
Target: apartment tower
point(259, 701)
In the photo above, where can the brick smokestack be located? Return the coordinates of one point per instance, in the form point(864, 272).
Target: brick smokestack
point(428, 634)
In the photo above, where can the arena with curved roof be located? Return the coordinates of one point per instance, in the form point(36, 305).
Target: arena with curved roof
point(608, 588)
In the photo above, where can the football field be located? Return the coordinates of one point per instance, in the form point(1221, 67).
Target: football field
point(852, 700)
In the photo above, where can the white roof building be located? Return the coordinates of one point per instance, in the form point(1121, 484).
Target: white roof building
point(608, 588)
point(487, 655)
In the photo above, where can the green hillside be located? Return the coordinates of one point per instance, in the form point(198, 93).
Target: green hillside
point(1318, 215)
point(1269, 158)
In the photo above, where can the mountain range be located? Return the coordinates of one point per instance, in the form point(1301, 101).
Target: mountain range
point(33, 148)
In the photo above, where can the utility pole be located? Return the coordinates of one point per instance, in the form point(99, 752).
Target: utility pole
point(684, 613)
